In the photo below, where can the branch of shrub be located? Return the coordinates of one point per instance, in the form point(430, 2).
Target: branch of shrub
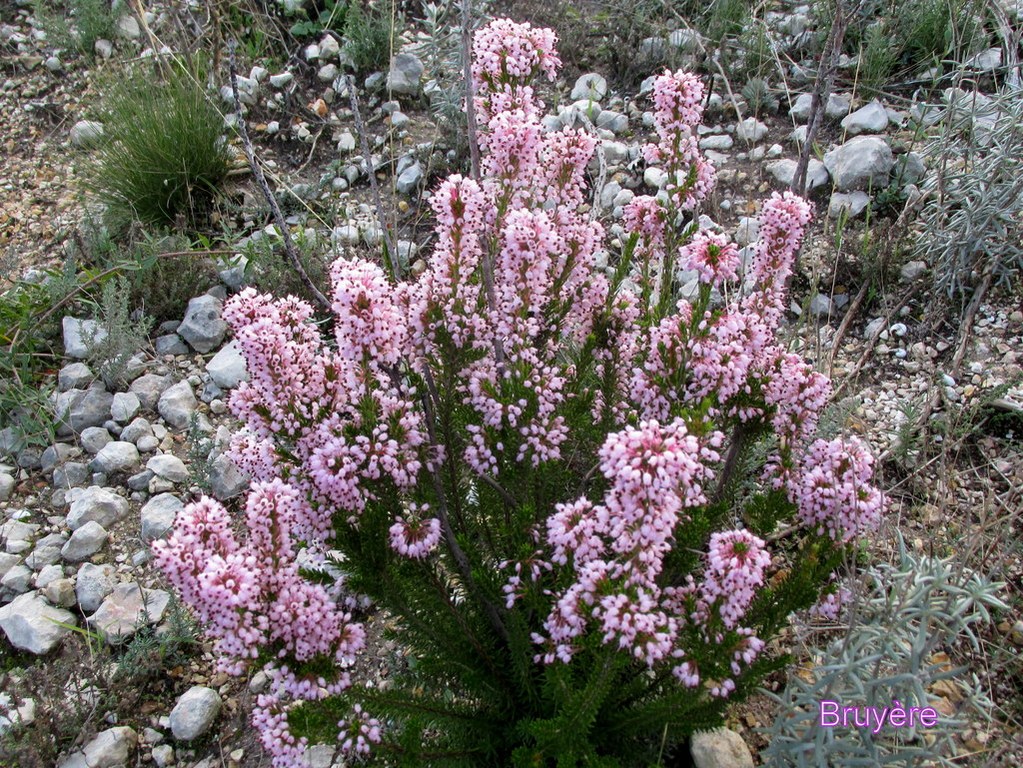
point(846, 322)
point(470, 106)
point(360, 128)
point(822, 90)
point(282, 225)
point(872, 341)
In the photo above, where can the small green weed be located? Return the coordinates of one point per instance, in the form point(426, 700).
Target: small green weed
point(78, 24)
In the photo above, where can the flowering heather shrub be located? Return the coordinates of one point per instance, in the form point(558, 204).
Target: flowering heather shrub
point(540, 469)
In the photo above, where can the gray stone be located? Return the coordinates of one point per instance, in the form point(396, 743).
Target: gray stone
point(409, 180)
point(31, 624)
point(985, 61)
point(73, 474)
point(346, 142)
point(687, 40)
point(798, 136)
point(74, 376)
point(126, 609)
point(104, 49)
point(321, 755)
point(327, 73)
point(75, 759)
point(94, 439)
point(7, 561)
point(399, 120)
point(46, 552)
point(138, 428)
point(125, 407)
point(84, 542)
point(6, 486)
point(591, 87)
point(148, 444)
point(115, 457)
point(652, 49)
point(17, 579)
point(821, 306)
point(77, 409)
point(57, 454)
point(720, 748)
point(861, 163)
point(29, 457)
point(869, 119)
point(329, 47)
point(169, 467)
point(404, 74)
point(86, 133)
point(177, 404)
point(170, 344)
point(60, 592)
point(93, 584)
point(112, 748)
point(77, 334)
point(227, 368)
point(909, 168)
point(140, 480)
point(912, 270)
point(751, 130)
point(874, 326)
point(203, 328)
point(836, 107)
point(128, 28)
point(48, 575)
point(612, 121)
point(97, 504)
point(655, 177)
point(853, 203)
point(18, 530)
point(748, 230)
point(282, 80)
point(615, 152)
point(163, 755)
point(148, 389)
point(195, 712)
point(785, 171)
point(226, 480)
point(718, 142)
point(158, 515)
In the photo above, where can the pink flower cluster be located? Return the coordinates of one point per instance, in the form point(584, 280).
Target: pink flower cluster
point(678, 102)
point(417, 536)
point(736, 563)
point(617, 548)
point(249, 595)
point(832, 489)
point(506, 57)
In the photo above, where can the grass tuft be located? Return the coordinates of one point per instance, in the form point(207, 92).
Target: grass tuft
point(164, 156)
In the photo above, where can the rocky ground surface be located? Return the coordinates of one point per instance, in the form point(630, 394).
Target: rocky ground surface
point(78, 515)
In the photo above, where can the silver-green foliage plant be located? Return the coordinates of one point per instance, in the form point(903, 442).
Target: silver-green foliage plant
point(438, 43)
point(892, 651)
point(973, 214)
point(119, 335)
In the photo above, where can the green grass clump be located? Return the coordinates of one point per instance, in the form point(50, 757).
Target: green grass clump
point(164, 155)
